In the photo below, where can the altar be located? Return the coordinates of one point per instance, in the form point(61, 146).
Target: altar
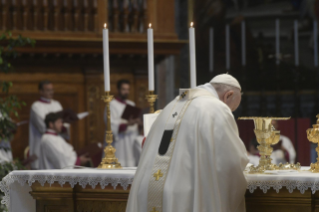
point(101, 190)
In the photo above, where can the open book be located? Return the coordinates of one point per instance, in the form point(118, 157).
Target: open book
point(131, 112)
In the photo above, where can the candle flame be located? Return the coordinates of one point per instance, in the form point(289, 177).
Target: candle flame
point(150, 25)
point(105, 25)
point(192, 24)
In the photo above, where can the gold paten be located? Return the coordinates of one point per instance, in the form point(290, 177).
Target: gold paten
point(313, 136)
point(109, 161)
point(266, 136)
point(151, 98)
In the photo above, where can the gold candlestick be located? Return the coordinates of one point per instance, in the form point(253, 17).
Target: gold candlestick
point(313, 136)
point(266, 136)
point(109, 161)
point(151, 98)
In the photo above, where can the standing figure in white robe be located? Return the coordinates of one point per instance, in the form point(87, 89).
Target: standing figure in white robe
point(193, 159)
point(39, 110)
point(55, 152)
point(124, 131)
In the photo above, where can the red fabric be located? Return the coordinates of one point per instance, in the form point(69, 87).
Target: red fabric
point(122, 128)
point(78, 162)
point(143, 142)
point(303, 152)
point(120, 100)
point(51, 133)
point(44, 101)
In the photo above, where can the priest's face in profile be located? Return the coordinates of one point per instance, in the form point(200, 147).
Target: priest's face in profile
point(47, 91)
point(57, 125)
point(124, 91)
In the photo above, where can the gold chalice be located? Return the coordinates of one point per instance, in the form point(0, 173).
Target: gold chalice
point(313, 136)
point(266, 136)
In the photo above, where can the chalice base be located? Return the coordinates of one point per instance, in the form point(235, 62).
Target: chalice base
point(314, 167)
point(287, 166)
point(109, 166)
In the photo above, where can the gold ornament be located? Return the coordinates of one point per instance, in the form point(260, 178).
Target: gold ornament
point(109, 161)
point(313, 136)
point(151, 98)
point(266, 136)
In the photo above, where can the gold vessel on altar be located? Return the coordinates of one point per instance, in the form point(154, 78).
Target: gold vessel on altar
point(313, 136)
point(266, 136)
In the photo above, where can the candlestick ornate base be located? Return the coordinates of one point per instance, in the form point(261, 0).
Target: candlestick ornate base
point(266, 136)
point(151, 98)
point(313, 136)
point(109, 161)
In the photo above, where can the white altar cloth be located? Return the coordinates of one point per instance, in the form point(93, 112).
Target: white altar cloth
point(301, 180)
point(17, 184)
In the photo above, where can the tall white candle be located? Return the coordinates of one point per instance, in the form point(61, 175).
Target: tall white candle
point(106, 58)
point(150, 50)
point(211, 49)
point(192, 55)
point(315, 42)
point(277, 41)
point(296, 43)
point(227, 48)
point(243, 43)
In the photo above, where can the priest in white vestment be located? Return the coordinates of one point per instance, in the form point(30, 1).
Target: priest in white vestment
point(39, 110)
point(55, 152)
point(124, 131)
point(193, 158)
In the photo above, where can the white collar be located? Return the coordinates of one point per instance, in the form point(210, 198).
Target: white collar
point(209, 88)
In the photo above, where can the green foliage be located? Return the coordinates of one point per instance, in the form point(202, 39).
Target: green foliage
point(9, 104)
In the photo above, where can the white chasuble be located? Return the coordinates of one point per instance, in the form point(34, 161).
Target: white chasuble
point(193, 159)
point(124, 136)
point(39, 110)
point(56, 153)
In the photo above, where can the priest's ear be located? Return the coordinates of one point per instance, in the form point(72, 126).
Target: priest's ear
point(228, 96)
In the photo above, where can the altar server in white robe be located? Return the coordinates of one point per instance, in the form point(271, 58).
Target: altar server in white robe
point(55, 152)
point(39, 110)
point(124, 132)
point(193, 158)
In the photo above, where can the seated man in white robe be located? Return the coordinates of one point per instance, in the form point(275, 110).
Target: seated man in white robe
point(193, 159)
point(286, 152)
point(5, 151)
point(39, 110)
point(124, 131)
point(55, 152)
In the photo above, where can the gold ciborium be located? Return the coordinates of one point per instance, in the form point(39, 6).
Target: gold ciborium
point(266, 136)
point(313, 136)
point(109, 161)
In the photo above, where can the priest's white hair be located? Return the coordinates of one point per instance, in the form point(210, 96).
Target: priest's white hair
point(223, 88)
